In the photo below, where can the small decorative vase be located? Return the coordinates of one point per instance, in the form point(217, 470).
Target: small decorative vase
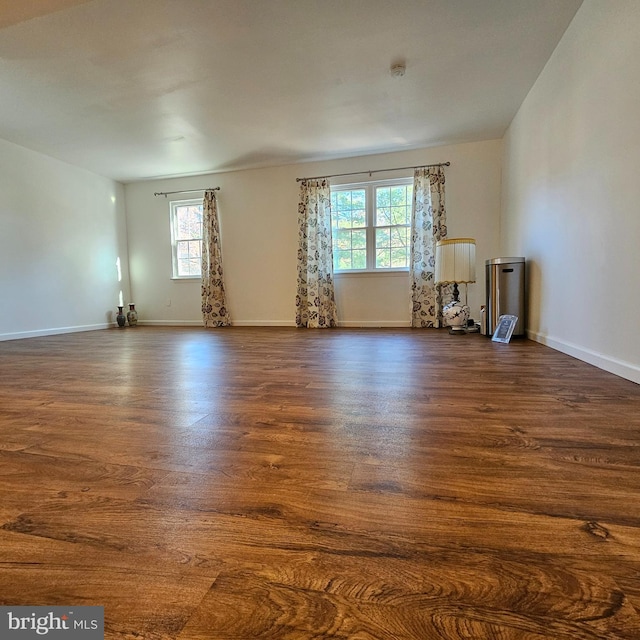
point(132, 315)
point(120, 318)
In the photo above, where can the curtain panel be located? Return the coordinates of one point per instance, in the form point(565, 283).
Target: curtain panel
point(315, 298)
point(428, 225)
point(214, 307)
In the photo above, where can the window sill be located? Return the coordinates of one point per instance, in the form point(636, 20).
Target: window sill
point(186, 278)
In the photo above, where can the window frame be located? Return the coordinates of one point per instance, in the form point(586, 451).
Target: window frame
point(370, 187)
point(174, 205)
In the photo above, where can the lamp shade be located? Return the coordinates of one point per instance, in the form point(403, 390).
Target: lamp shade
point(456, 260)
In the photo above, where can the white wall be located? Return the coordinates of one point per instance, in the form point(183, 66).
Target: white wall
point(258, 219)
point(571, 190)
point(61, 232)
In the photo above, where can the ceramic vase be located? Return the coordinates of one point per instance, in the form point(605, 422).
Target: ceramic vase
point(120, 318)
point(456, 315)
point(132, 315)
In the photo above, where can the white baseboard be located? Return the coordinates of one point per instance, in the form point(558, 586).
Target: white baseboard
point(263, 323)
point(171, 323)
point(234, 323)
point(374, 324)
point(612, 365)
point(39, 333)
point(354, 324)
point(358, 324)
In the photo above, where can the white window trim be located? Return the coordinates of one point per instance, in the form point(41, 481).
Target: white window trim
point(370, 187)
point(173, 205)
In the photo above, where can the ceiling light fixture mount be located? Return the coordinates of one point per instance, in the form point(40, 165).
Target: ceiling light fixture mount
point(398, 70)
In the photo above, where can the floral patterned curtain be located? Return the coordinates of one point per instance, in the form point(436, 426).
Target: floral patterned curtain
point(214, 308)
point(428, 225)
point(315, 299)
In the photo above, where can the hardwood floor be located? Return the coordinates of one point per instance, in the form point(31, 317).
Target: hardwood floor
point(249, 483)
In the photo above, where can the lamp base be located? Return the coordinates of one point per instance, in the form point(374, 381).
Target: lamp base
point(457, 331)
point(455, 316)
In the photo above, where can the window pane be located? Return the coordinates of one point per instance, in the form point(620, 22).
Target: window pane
point(348, 208)
point(393, 205)
point(398, 195)
point(399, 257)
point(349, 221)
point(383, 198)
point(359, 259)
point(356, 259)
point(195, 225)
point(343, 200)
point(349, 249)
point(383, 216)
point(399, 237)
point(183, 250)
point(195, 249)
point(183, 267)
point(382, 248)
point(399, 215)
point(189, 222)
point(383, 238)
point(182, 224)
point(358, 218)
point(359, 239)
point(358, 199)
point(342, 239)
point(392, 247)
point(342, 259)
point(341, 219)
point(382, 258)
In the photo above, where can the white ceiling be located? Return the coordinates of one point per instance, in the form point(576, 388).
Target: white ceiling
point(133, 89)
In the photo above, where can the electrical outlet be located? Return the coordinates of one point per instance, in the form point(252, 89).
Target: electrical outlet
point(168, 302)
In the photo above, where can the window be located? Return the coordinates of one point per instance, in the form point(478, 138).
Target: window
point(186, 238)
point(371, 225)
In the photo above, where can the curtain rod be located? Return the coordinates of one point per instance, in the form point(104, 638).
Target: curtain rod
point(168, 193)
point(357, 173)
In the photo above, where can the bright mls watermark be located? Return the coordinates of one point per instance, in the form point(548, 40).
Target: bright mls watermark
point(53, 623)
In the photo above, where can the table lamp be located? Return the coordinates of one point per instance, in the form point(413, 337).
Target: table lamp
point(456, 264)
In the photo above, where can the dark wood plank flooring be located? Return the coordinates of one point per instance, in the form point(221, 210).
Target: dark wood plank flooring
point(356, 484)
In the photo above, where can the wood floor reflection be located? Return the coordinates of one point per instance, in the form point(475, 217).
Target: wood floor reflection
point(276, 483)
